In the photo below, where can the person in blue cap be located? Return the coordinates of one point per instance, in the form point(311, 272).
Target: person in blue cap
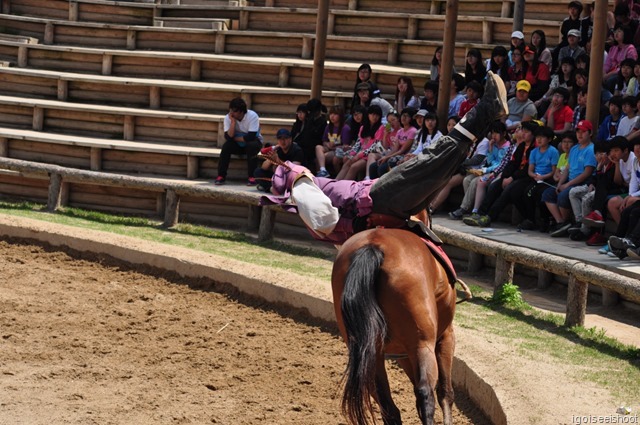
point(287, 150)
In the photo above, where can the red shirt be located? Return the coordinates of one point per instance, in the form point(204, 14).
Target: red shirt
point(560, 117)
point(542, 74)
point(466, 106)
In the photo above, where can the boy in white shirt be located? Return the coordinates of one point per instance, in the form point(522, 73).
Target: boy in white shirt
point(628, 122)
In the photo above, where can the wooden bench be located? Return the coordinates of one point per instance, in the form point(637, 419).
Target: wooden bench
point(170, 199)
point(199, 23)
point(157, 94)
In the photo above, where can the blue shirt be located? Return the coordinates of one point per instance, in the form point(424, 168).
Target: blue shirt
point(544, 162)
point(579, 158)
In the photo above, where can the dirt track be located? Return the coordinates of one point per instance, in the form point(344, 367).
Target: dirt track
point(83, 343)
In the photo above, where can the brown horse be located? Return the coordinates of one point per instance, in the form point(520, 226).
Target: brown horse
point(393, 298)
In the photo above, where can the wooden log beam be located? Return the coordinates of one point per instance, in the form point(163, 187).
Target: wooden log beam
point(55, 186)
point(172, 208)
point(576, 302)
point(267, 222)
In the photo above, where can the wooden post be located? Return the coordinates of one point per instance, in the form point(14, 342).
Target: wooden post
point(243, 20)
point(4, 147)
point(504, 271)
point(487, 32)
point(49, 33)
point(23, 56)
point(475, 262)
point(196, 69)
point(518, 13)
point(269, 3)
point(63, 90)
point(392, 53)
point(435, 7)
point(55, 184)
point(64, 193)
point(254, 217)
point(331, 25)
point(107, 64)
point(306, 49)
point(267, 222)
point(576, 302)
point(283, 76)
point(412, 28)
point(545, 279)
point(160, 201)
point(319, 51)
point(597, 60)
point(73, 11)
point(38, 118)
point(446, 69)
point(220, 40)
point(609, 297)
point(129, 131)
point(132, 36)
point(192, 167)
point(95, 159)
point(353, 5)
point(154, 97)
point(172, 209)
point(6, 7)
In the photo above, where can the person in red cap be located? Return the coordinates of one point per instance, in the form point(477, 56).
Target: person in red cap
point(582, 162)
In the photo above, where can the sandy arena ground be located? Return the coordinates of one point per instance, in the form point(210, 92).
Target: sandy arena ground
point(85, 343)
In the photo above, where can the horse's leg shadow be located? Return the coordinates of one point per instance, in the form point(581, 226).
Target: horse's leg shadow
point(427, 373)
point(444, 355)
point(390, 412)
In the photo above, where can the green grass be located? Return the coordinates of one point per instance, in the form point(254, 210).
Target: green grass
point(533, 333)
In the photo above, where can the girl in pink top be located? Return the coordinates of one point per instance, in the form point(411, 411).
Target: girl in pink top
point(371, 132)
point(623, 49)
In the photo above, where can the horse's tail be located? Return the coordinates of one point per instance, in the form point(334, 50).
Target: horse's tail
point(366, 331)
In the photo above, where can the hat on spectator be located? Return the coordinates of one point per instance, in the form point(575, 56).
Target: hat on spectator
point(529, 49)
point(363, 86)
point(517, 34)
point(584, 125)
point(573, 33)
point(283, 133)
point(523, 85)
point(422, 112)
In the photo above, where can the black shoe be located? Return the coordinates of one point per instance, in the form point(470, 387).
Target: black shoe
point(544, 225)
point(621, 244)
point(575, 227)
point(578, 236)
point(492, 107)
point(560, 230)
point(527, 225)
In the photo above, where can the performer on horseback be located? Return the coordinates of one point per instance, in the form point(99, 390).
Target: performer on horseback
point(334, 210)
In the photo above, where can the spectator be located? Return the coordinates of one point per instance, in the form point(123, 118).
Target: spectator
point(521, 109)
point(475, 159)
point(559, 116)
point(588, 200)
point(242, 136)
point(287, 151)
point(580, 111)
point(572, 49)
point(581, 164)
point(538, 74)
point(623, 49)
point(369, 140)
point(571, 22)
point(430, 100)
point(511, 184)
point(499, 63)
point(366, 100)
point(629, 121)
point(518, 70)
point(474, 69)
point(582, 62)
point(364, 76)
point(609, 126)
point(311, 133)
point(406, 95)
point(336, 135)
point(543, 163)
point(355, 122)
point(565, 77)
point(539, 41)
point(301, 117)
point(389, 143)
point(455, 97)
point(474, 92)
point(624, 77)
point(517, 43)
point(633, 88)
point(405, 140)
point(434, 75)
point(473, 189)
point(626, 240)
point(586, 23)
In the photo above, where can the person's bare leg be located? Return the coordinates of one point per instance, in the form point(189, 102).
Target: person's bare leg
point(355, 169)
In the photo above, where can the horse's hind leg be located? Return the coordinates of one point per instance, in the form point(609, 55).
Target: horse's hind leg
point(390, 412)
point(425, 385)
point(444, 356)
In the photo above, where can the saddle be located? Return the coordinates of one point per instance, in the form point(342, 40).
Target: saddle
point(430, 239)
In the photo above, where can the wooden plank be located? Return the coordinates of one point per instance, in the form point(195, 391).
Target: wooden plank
point(80, 152)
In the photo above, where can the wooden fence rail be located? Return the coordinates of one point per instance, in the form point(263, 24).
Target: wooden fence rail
point(580, 274)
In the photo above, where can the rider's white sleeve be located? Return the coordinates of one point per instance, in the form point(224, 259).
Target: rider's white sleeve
point(314, 207)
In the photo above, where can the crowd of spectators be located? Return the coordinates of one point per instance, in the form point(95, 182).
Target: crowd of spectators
point(563, 174)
